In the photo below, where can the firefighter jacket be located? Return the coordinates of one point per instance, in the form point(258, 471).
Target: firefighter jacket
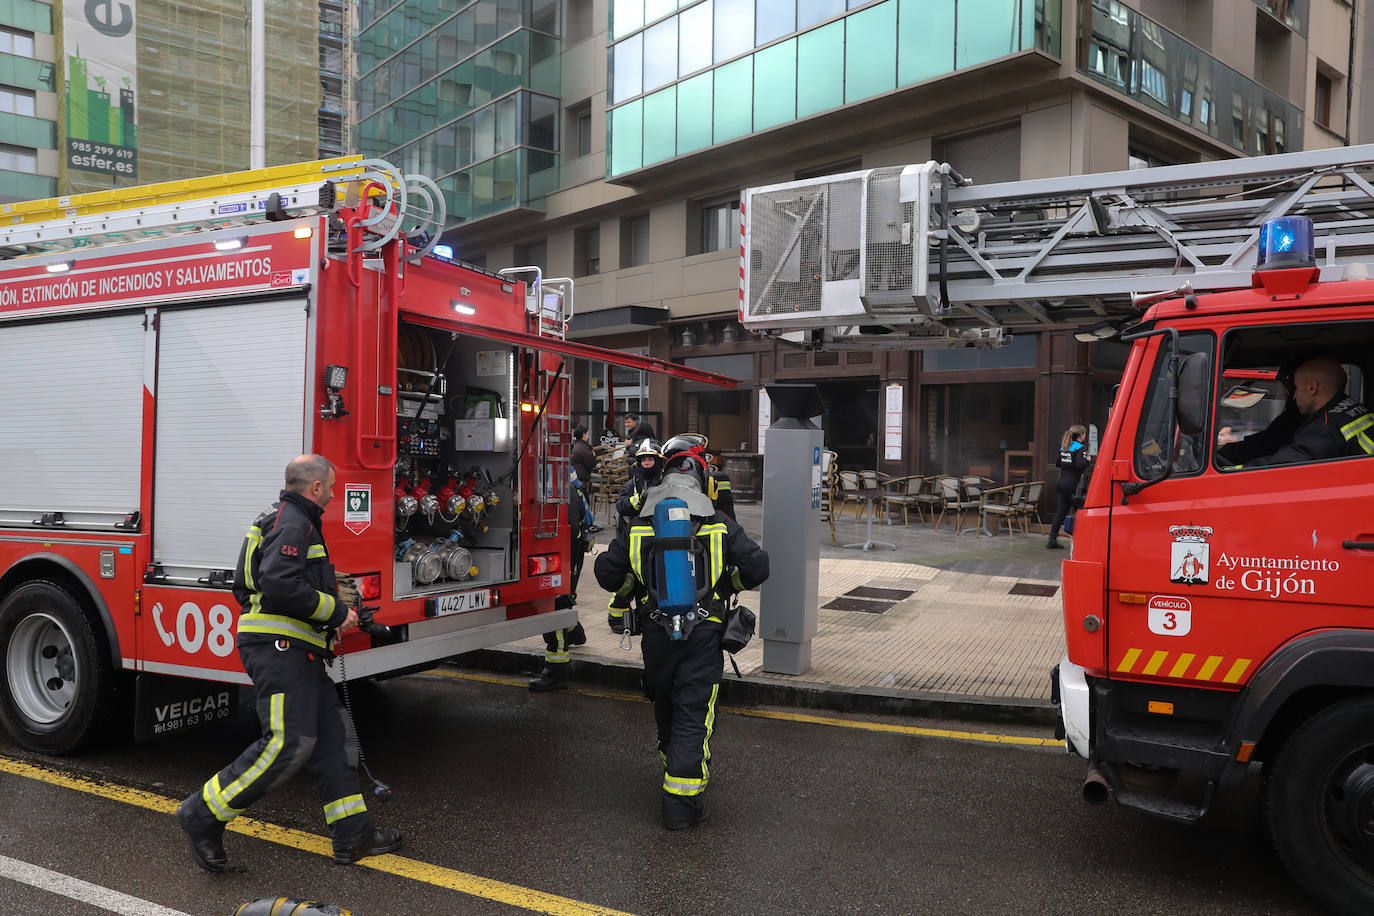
point(284, 580)
point(1343, 427)
point(721, 493)
point(734, 563)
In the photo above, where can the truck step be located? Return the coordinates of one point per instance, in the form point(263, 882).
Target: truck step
point(1180, 812)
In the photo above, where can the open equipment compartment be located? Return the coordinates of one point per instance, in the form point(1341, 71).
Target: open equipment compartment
point(457, 444)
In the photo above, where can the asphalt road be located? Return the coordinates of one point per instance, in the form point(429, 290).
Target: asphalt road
point(515, 801)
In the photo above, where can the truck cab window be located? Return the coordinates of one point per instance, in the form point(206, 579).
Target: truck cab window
point(1159, 432)
point(1294, 394)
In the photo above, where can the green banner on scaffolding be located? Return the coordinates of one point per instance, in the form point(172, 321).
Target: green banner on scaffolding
point(101, 45)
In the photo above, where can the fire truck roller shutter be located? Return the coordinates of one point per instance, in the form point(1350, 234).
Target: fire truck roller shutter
point(69, 432)
point(230, 414)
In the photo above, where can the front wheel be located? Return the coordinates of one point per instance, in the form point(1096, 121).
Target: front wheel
point(1321, 805)
point(58, 680)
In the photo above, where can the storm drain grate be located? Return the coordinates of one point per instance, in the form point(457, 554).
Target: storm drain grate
point(883, 594)
point(1034, 589)
point(859, 604)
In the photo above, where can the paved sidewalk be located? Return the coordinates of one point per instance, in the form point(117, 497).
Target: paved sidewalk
point(945, 624)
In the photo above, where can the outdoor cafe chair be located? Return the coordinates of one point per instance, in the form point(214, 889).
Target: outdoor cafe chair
point(849, 492)
point(901, 494)
point(1030, 505)
point(1001, 504)
point(929, 499)
point(956, 502)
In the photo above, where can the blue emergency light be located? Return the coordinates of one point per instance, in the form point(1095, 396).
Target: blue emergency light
point(1286, 242)
point(442, 251)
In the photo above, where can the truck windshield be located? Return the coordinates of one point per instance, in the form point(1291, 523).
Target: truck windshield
point(1158, 432)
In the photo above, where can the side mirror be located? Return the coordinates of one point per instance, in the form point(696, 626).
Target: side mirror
point(1194, 386)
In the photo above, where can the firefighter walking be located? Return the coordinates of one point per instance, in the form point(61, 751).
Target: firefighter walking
point(554, 674)
point(293, 605)
point(682, 653)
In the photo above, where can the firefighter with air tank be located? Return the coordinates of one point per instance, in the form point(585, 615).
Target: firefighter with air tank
point(686, 560)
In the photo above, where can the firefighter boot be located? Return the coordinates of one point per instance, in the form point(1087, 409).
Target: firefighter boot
point(576, 636)
point(680, 812)
point(206, 839)
point(375, 842)
point(553, 677)
point(1054, 544)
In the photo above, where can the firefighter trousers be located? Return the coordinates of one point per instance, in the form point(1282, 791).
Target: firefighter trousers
point(303, 726)
point(681, 679)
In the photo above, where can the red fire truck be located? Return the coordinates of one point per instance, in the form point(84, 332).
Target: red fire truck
point(1218, 614)
point(168, 349)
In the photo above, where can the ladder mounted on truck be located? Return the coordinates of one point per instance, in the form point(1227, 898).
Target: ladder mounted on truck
point(401, 205)
point(919, 257)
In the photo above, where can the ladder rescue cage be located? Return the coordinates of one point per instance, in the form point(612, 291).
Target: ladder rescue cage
point(918, 256)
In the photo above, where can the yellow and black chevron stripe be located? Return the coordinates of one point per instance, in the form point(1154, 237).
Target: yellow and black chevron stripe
point(1177, 665)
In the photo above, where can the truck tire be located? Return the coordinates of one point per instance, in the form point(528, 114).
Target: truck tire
point(58, 687)
point(1320, 799)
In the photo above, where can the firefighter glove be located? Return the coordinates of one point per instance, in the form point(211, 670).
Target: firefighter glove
point(348, 592)
point(617, 621)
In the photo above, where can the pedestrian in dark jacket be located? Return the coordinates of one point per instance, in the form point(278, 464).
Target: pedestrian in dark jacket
point(294, 606)
point(583, 458)
point(1072, 461)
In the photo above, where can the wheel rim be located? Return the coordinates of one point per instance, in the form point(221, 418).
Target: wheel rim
point(42, 668)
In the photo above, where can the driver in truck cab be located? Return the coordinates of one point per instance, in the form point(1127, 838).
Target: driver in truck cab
point(1320, 421)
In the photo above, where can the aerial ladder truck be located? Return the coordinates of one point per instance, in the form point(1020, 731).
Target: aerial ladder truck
point(1218, 617)
point(168, 348)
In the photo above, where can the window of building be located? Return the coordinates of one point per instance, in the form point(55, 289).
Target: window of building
point(533, 254)
point(18, 159)
point(16, 41)
point(577, 125)
point(719, 225)
point(634, 240)
point(587, 251)
point(1321, 108)
point(17, 101)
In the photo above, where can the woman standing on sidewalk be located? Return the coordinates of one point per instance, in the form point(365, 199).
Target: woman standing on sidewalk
point(1073, 461)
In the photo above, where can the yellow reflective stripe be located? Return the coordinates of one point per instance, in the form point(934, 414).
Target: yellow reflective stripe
point(344, 807)
point(254, 539)
point(276, 724)
point(315, 552)
point(1152, 666)
point(735, 579)
point(276, 625)
point(712, 489)
point(637, 536)
point(1366, 443)
point(1128, 661)
point(1237, 670)
point(1182, 664)
point(615, 611)
point(213, 797)
point(324, 608)
point(706, 743)
point(682, 785)
point(1357, 425)
point(556, 658)
point(722, 485)
point(1208, 668)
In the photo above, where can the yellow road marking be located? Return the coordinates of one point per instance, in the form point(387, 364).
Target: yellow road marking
point(985, 737)
point(436, 875)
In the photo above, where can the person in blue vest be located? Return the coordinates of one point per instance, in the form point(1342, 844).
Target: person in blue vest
point(682, 651)
point(1072, 461)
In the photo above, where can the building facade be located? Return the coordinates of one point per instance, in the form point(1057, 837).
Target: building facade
point(101, 96)
point(666, 110)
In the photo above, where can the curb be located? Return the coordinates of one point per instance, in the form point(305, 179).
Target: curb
point(754, 691)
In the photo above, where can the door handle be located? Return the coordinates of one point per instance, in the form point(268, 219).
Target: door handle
point(1358, 545)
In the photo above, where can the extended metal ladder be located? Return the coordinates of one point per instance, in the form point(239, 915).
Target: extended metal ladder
point(402, 205)
point(920, 257)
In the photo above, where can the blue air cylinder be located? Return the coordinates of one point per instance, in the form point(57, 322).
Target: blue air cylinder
point(675, 568)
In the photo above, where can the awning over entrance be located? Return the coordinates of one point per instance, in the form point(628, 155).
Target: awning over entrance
point(620, 320)
point(579, 350)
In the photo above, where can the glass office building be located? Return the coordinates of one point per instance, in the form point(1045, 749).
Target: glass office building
point(465, 93)
point(28, 101)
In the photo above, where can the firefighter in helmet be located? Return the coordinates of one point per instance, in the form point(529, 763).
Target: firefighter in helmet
point(554, 675)
point(682, 653)
point(644, 473)
point(721, 492)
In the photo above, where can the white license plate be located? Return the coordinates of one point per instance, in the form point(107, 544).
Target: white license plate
point(463, 601)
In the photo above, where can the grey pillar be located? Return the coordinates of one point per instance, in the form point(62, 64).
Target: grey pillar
point(791, 529)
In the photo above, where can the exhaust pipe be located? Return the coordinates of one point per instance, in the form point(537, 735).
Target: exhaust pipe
point(1096, 789)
